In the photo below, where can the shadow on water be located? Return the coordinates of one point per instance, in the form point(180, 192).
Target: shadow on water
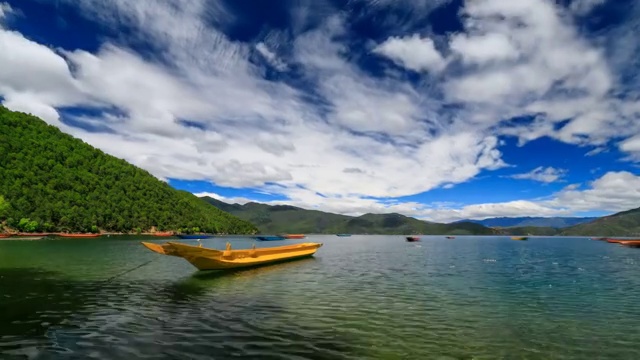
point(213, 315)
point(204, 282)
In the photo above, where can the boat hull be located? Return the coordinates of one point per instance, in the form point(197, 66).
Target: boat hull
point(519, 238)
point(79, 235)
point(295, 236)
point(211, 259)
point(193, 237)
point(270, 238)
point(343, 235)
point(412, 238)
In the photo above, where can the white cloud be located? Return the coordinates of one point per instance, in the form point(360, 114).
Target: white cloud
point(542, 174)
point(271, 57)
point(228, 200)
point(413, 52)
point(631, 145)
point(482, 49)
point(583, 7)
point(5, 9)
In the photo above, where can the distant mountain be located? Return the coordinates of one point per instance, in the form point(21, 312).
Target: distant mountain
point(626, 223)
point(275, 219)
point(551, 222)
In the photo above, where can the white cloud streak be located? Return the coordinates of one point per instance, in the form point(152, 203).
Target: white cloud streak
point(542, 174)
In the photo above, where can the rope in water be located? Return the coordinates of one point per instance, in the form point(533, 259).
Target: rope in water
point(128, 271)
point(104, 281)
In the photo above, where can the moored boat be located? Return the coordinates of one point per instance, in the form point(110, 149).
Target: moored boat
point(598, 238)
point(163, 234)
point(617, 241)
point(78, 235)
point(521, 238)
point(270, 237)
point(212, 259)
point(294, 236)
point(194, 236)
point(450, 237)
point(23, 238)
point(634, 243)
point(412, 238)
point(2, 236)
point(343, 235)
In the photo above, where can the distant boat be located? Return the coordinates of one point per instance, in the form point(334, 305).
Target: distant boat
point(634, 243)
point(24, 238)
point(270, 237)
point(211, 259)
point(78, 235)
point(450, 237)
point(294, 236)
point(2, 236)
point(164, 234)
point(412, 238)
point(521, 238)
point(599, 238)
point(343, 235)
point(194, 236)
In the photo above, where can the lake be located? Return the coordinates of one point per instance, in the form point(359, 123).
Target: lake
point(360, 297)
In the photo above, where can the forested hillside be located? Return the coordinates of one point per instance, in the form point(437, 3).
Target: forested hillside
point(626, 223)
point(284, 218)
point(50, 181)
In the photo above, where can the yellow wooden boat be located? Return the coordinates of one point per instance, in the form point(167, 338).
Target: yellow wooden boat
point(211, 259)
point(519, 238)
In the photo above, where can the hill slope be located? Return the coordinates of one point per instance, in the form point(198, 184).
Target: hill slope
point(50, 181)
point(626, 223)
point(549, 222)
point(290, 219)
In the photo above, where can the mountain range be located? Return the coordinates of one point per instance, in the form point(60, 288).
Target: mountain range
point(553, 222)
point(275, 219)
point(290, 219)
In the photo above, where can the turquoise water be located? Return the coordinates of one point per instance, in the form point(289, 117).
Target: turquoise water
point(361, 297)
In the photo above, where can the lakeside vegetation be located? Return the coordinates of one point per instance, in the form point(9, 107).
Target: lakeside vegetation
point(53, 182)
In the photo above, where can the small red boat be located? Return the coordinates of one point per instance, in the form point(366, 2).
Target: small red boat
point(634, 243)
point(78, 235)
point(294, 236)
point(165, 234)
point(413, 238)
point(4, 236)
point(451, 237)
point(617, 241)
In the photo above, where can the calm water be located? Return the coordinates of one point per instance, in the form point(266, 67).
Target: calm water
point(363, 297)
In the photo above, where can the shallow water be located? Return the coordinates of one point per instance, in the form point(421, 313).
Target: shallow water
point(361, 297)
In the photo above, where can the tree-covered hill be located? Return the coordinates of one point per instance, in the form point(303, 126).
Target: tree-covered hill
point(290, 219)
point(626, 223)
point(51, 181)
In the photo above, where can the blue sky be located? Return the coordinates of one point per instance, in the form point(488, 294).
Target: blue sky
point(438, 109)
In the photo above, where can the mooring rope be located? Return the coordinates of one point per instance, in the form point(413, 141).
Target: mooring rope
point(128, 271)
point(104, 282)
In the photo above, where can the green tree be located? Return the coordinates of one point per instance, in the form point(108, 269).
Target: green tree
point(4, 207)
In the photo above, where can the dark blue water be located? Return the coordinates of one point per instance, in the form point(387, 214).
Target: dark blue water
point(361, 297)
